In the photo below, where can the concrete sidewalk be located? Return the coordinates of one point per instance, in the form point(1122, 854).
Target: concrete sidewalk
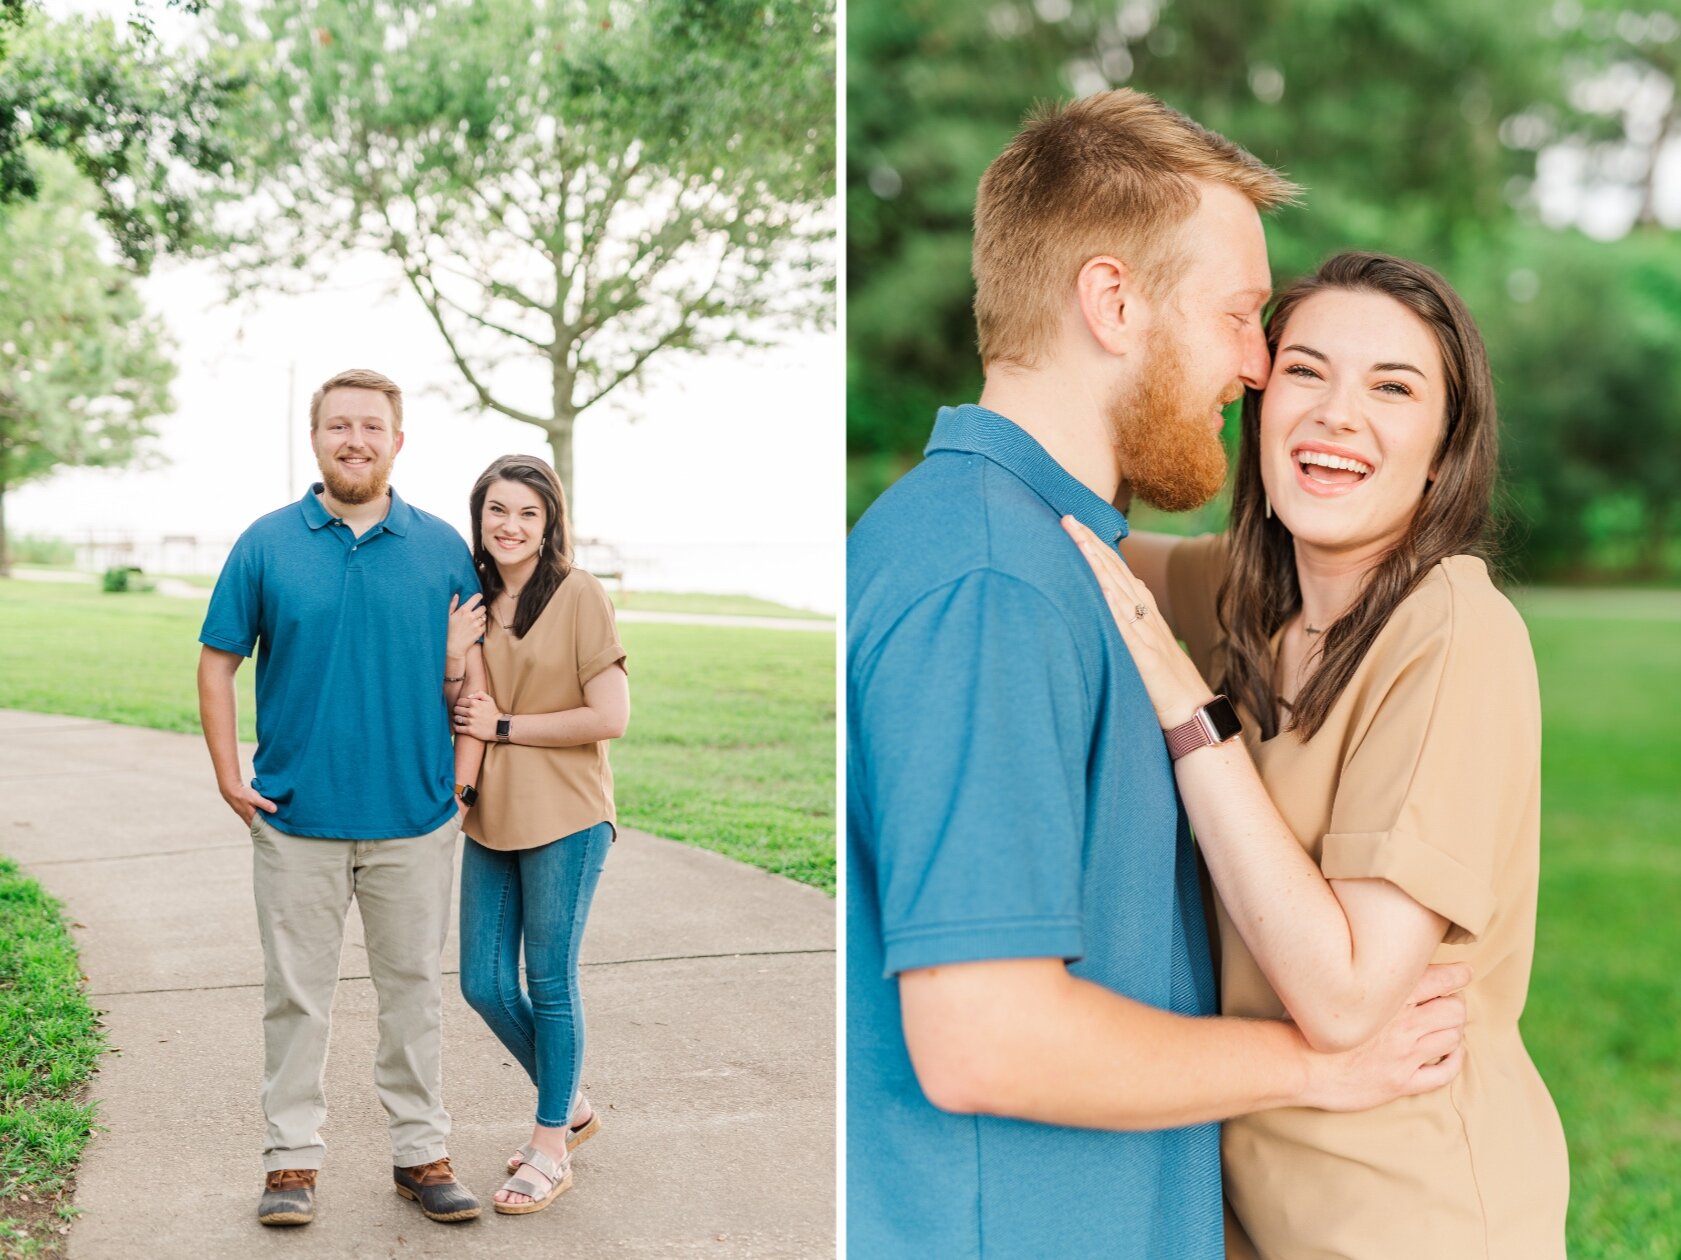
point(709, 986)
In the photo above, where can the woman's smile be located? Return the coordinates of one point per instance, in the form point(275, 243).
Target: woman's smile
point(1322, 469)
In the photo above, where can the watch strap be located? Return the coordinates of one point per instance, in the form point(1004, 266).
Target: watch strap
point(1188, 737)
point(1203, 730)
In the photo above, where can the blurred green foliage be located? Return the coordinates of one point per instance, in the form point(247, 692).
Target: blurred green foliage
point(1417, 129)
point(139, 122)
point(84, 370)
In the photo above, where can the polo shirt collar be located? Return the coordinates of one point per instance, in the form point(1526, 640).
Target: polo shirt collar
point(976, 430)
point(397, 517)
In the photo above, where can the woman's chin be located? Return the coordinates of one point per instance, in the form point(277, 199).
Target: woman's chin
point(1324, 531)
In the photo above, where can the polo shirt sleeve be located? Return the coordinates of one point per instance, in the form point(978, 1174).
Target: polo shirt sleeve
point(1445, 761)
point(598, 645)
point(234, 619)
point(975, 734)
point(465, 578)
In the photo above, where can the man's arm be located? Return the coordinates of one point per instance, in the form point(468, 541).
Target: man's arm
point(1025, 1038)
point(218, 716)
point(466, 630)
point(469, 752)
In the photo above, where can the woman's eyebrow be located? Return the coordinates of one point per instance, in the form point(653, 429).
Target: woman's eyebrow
point(1376, 367)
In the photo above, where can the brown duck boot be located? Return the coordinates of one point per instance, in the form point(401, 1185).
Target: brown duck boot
point(288, 1197)
point(434, 1187)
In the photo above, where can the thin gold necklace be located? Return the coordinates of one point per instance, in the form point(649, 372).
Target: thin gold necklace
point(513, 601)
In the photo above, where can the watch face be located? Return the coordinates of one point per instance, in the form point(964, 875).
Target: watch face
point(1223, 718)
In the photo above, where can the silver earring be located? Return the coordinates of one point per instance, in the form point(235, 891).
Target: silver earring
point(1267, 498)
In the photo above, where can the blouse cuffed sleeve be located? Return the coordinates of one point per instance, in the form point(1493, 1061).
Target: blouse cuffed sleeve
point(598, 632)
point(1444, 759)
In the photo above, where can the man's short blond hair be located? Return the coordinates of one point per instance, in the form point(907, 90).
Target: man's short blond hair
point(1111, 174)
point(359, 378)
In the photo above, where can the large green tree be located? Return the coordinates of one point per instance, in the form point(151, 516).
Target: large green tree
point(141, 123)
point(572, 189)
point(83, 369)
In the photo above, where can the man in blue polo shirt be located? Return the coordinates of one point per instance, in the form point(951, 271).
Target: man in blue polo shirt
point(346, 597)
point(1033, 1064)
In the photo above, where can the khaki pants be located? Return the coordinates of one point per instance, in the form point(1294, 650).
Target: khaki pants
point(303, 888)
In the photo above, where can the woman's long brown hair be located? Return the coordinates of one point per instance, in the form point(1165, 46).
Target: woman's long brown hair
point(554, 560)
point(1260, 592)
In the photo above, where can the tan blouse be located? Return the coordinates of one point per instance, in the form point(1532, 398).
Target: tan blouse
point(1427, 774)
point(530, 796)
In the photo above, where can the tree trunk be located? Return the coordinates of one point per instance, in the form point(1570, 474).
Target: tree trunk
point(5, 547)
point(562, 381)
point(560, 444)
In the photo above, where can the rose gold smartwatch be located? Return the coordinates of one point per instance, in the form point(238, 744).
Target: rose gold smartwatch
point(1214, 723)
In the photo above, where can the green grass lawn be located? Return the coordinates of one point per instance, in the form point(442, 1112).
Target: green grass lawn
point(731, 744)
point(712, 605)
point(1604, 1015)
point(49, 1042)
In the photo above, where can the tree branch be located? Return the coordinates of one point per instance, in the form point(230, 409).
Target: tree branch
point(546, 347)
point(426, 289)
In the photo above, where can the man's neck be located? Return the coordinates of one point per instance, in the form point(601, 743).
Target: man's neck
point(360, 517)
point(1065, 415)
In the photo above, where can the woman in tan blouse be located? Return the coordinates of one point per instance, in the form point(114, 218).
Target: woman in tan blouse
point(1381, 811)
point(540, 701)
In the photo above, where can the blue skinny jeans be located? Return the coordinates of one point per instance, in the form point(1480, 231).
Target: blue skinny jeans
point(542, 896)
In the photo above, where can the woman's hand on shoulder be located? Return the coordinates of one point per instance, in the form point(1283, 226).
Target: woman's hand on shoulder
point(1176, 686)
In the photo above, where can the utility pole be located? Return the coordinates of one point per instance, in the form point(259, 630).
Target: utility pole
point(291, 443)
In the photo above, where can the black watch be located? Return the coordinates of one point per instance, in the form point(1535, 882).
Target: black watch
point(503, 724)
point(468, 793)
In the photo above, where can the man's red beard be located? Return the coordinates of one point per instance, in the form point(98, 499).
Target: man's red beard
point(363, 490)
point(1169, 449)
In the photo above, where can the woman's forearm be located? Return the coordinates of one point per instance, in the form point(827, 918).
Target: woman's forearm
point(604, 714)
point(565, 729)
point(1341, 969)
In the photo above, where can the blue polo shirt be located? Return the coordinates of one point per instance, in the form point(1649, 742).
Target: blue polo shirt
point(1009, 795)
point(353, 738)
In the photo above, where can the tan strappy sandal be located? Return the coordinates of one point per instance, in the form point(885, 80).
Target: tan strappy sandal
point(579, 1132)
point(559, 1174)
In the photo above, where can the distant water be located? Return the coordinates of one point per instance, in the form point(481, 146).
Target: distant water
point(800, 575)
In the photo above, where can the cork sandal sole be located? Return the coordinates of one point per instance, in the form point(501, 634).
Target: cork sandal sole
point(521, 1186)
